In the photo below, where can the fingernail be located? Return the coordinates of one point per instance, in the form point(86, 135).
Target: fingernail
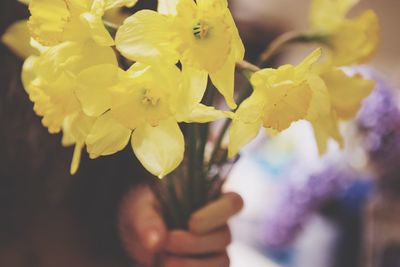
point(152, 239)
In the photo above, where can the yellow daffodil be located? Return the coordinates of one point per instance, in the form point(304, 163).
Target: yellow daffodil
point(351, 41)
point(50, 80)
point(55, 21)
point(201, 35)
point(17, 38)
point(144, 105)
point(345, 94)
point(281, 96)
point(320, 93)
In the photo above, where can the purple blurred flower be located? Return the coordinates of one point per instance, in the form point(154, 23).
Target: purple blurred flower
point(379, 126)
point(300, 202)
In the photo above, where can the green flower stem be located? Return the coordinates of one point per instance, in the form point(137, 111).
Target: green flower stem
point(204, 129)
point(183, 181)
point(174, 204)
point(217, 147)
point(218, 143)
point(194, 193)
point(288, 38)
point(166, 195)
point(247, 68)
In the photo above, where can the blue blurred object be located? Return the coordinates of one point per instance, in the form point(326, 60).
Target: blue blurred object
point(349, 217)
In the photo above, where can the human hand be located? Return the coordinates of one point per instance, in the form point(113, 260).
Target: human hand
point(145, 235)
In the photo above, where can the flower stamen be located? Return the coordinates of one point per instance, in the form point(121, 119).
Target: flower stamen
point(150, 99)
point(200, 30)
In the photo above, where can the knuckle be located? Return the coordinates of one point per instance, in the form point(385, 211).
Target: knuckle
point(170, 261)
point(225, 261)
point(236, 201)
point(195, 222)
point(178, 241)
point(185, 242)
point(227, 236)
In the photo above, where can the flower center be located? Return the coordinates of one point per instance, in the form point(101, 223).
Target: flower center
point(200, 30)
point(150, 98)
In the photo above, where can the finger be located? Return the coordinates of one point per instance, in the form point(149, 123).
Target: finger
point(186, 243)
point(142, 229)
point(214, 261)
point(215, 214)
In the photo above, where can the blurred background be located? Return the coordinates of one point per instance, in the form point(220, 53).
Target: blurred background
point(302, 210)
point(341, 209)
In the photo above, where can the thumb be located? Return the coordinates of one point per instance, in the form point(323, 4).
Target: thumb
point(141, 226)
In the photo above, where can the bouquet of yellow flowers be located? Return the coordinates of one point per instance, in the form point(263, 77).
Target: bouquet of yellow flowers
point(152, 82)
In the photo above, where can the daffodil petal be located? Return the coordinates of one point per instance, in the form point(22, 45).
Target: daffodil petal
point(17, 38)
point(89, 56)
point(320, 104)
point(191, 92)
point(76, 6)
point(305, 66)
point(167, 77)
point(212, 4)
point(76, 158)
point(224, 80)
point(202, 114)
point(259, 78)
point(68, 138)
point(286, 104)
point(146, 37)
point(28, 72)
point(252, 108)
point(98, 31)
point(93, 90)
point(48, 20)
point(241, 134)
point(167, 7)
point(71, 58)
point(328, 14)
point(326, 128)
point(107, 137)
point(238, 49)
point(247, 121)
point(94, 21)
point(355, 41)
point(79, 127)
point(195, 84)
point(160, 149)
point(38, 46)
point(76, 127)
point(53, 105)
point(347, 93)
